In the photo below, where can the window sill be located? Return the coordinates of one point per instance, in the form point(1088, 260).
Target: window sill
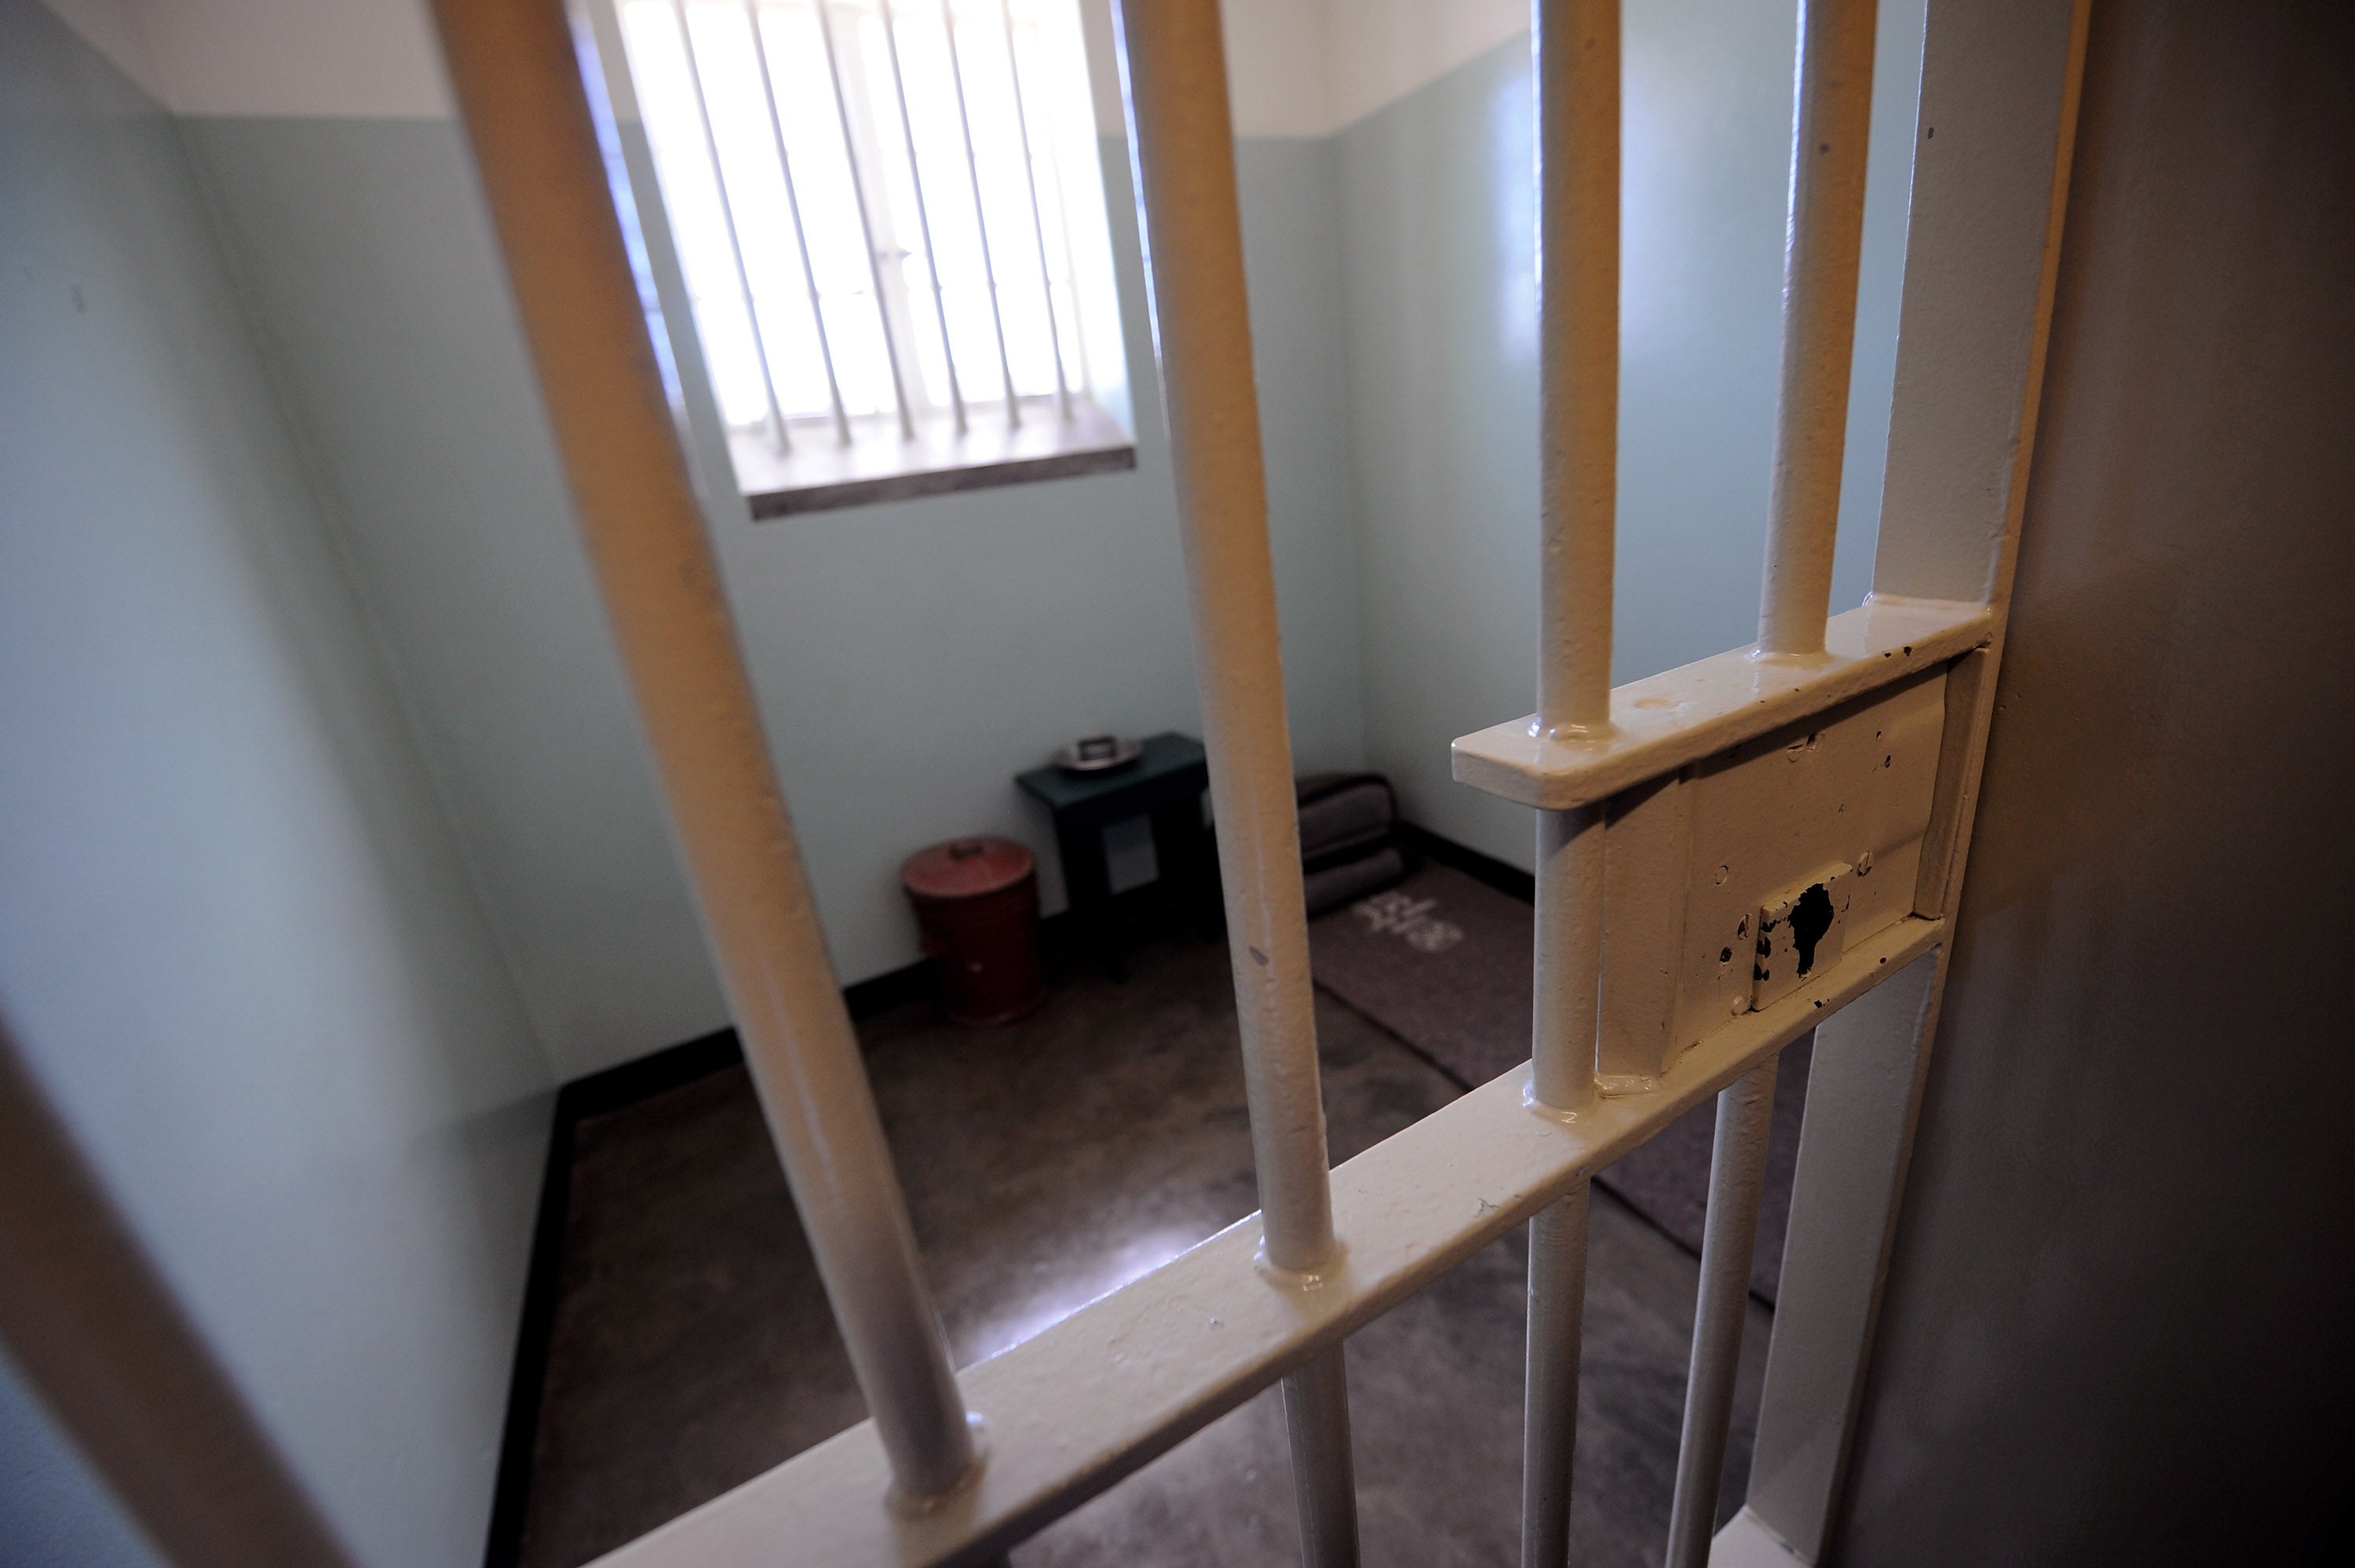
point(821, 474)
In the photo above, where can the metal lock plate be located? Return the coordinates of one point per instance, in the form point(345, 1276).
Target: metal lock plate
point(1697, 862)
point(1802, 933)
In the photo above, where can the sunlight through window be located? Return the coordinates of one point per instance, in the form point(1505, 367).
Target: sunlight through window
point(889, 220)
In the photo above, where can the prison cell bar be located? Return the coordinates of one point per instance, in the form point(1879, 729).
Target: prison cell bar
point(1737, 1170)
point(1823, 245)
point(727, 218)
point(517, 82)
point(793, 211)
point(1831, 125)
point(1550, 1375)
point(1576, 54)
point(1174, 61)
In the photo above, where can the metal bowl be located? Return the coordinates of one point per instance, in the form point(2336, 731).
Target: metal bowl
point(1098, 754)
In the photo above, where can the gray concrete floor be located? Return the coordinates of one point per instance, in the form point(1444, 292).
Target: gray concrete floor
point(1046, 1164)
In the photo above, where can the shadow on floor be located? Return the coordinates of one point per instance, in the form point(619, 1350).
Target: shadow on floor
point(1046, 1164)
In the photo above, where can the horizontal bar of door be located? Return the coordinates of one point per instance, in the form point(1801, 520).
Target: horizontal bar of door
point(1665, 721)
point(1089, 1401)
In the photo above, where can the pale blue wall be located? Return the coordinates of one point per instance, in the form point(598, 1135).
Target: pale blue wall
point(1437, 218)
point(910, 657)
point(237, 939)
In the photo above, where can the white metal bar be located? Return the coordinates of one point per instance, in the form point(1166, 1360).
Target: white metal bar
point(1823, 245)
point(728, 215)
point(2001, 78)
point(1175, 64)
point(518, 83)
point(1086, 1402)
point(1665, 721)
point(1177, 84)
point(794, 210)
point(1864, 1086)
point(1316, 1418)
point(1550, 1429)
point(924, 213)
point(1575, 46)
point(866, 222)
point(1566, 1001)
point(980, 219)
point(95, 1330)
point(1737, 1170)
point(1038, 220)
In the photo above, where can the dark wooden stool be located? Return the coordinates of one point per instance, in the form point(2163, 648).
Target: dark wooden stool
point(1165, 783)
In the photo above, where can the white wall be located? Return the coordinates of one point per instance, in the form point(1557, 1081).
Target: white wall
point(2120, 1321)
point(237, 939)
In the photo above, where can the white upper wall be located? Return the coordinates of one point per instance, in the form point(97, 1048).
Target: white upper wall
point(1378, 52)
point(1295, 67)
point(350, 59)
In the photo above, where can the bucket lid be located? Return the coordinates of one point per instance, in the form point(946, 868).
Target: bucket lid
point(966, 868)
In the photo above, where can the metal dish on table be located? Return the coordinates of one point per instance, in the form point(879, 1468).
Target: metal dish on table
point(1099, 754)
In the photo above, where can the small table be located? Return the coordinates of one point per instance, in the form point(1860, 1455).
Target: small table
point(1166, 783)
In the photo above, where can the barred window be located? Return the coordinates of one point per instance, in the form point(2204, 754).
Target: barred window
point(890, 219)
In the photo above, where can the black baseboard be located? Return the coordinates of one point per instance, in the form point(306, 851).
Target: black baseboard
point(543, 1279)
point(897, 987)
point(626, 1085)
point(511, 1492)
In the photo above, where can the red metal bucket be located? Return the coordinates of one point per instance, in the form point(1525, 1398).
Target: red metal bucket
point(977, 903)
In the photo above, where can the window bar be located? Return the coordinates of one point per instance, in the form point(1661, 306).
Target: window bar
point(517, 81)
point(1737, 1168)
point(866, 223)
point(1831, 128)
point(1176, 74)
point(728, 213)
point(980, 222)
point(1071, 261)
point(794, 209)
point(1577, 59)
point(923, 215)
point(1038, 223)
